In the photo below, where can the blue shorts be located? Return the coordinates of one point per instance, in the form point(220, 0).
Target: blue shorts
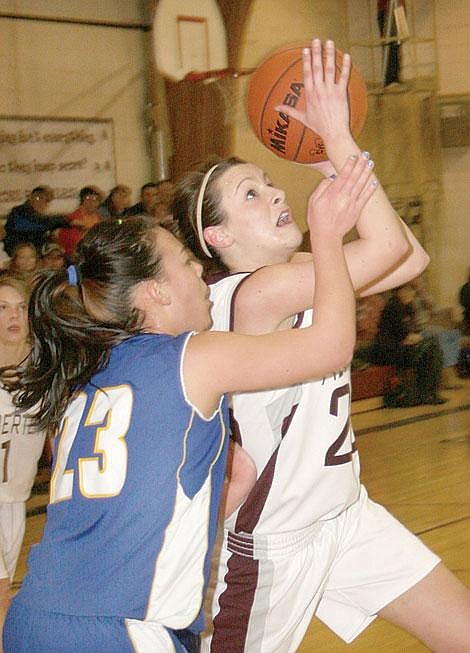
point(27, 629)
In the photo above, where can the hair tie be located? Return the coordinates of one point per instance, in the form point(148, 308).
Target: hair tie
point(200, 199)
point(72, 275)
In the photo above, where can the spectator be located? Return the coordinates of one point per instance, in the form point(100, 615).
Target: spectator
point(463, 361)
point(368, 312)
point(28, 222)
point(422, 303)
point(4, 257)
point(417, 357)
point(80, 220)
point(19, 438)
point(53, 257)
point(426, 323)
point(155, 200)
point(148, 200)
point(116, 203)
point(24, 262)
point(464, 299)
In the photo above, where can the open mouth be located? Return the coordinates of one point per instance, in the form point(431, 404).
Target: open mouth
point(284, 218)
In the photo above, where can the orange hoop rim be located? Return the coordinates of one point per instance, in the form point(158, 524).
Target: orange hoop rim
point(220, 73)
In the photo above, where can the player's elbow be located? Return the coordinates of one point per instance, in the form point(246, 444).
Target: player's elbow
point(414, 263)
point(400, 249)
point(422, 262)
point(343, 354)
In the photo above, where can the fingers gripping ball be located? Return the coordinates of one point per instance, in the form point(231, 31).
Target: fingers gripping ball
point(279, 80)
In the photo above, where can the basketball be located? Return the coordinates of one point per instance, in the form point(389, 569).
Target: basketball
point(279, 80)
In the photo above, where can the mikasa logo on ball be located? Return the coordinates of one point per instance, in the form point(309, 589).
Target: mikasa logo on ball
point(278, 134)
point(278, 80)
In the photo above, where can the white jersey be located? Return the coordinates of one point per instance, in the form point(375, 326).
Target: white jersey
point(300, 438)
point(21, 446)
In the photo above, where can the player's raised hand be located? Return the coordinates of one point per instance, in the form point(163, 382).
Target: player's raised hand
point(335, 206)
point(326, 100)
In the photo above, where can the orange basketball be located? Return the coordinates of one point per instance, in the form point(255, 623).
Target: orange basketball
point(279, 80)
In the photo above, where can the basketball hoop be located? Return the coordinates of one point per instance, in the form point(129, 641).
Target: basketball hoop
point(222, 73)
point(189, 36)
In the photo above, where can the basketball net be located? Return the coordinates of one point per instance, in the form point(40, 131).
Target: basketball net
point(231, 88)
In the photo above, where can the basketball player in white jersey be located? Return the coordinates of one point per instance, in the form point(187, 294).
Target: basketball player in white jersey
point(21, 444)
point(308, 541)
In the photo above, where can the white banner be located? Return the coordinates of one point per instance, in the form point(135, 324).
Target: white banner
point(65, 154)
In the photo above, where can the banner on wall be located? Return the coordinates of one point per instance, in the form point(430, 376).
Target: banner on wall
point(65, 154)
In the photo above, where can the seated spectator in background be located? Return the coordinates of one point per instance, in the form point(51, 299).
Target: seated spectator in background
point(24, 262)
point(118, 200)
point(429, 323)
point(148, 201)
point(4, 257)
point(28, 222)
point(52, 257)
point(80, 220)
point(423, 304)
point(463, 361)
point(464, 299)
point(18, 437)
point(417, 357)
point(368, 312)
point(155, 199)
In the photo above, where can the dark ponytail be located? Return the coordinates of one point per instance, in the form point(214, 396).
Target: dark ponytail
point(74, 327)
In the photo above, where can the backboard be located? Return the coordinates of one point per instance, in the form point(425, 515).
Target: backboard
point(188, 36)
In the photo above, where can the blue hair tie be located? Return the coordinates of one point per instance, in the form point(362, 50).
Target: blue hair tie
point(72, 274)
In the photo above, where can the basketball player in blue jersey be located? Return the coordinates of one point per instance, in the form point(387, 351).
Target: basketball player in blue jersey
point(307, 541)
point(124, 368)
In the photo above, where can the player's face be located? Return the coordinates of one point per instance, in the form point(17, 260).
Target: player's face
point(182, 280)
point(258, 216)
point(13, 316)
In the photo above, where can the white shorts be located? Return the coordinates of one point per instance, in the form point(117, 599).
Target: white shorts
point(343, 570)
point(12, 526)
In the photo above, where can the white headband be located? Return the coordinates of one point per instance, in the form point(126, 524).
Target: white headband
point(200, 199)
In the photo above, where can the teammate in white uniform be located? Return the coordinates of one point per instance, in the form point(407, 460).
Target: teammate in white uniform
point(140, 456)
point(308, 540)
point(21, 444)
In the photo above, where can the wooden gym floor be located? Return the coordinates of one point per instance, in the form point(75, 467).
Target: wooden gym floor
point(416, 462)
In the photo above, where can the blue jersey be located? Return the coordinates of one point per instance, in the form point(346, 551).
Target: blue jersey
point(135, 492)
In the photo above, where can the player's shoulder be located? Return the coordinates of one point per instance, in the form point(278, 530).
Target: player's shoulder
point(223, 293)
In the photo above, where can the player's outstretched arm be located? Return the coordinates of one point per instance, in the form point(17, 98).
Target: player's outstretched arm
point(385, 246)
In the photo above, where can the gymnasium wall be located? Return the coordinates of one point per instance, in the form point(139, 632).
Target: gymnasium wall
point(452, 256)
point(68, 69)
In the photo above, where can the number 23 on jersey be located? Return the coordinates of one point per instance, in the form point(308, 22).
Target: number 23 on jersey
point(103, 473)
